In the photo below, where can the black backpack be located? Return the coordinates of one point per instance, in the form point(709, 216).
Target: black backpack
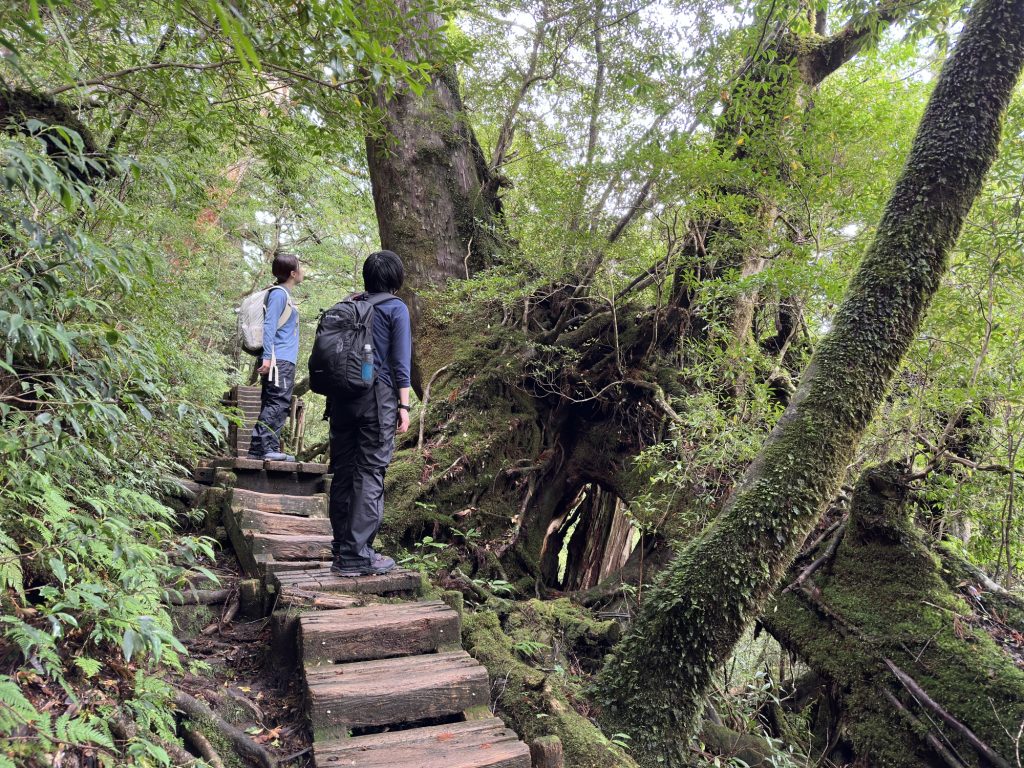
point(336, 362)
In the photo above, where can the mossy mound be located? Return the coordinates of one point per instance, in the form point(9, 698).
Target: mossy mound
point(543, 702)
point(883, 603)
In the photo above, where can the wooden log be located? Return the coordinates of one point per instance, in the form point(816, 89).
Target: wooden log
point(546, 752)
point(291, 547)
point(251, 597)
point(390, 691)
point(324, 601)
point(252, 520)
point(475, 744)
point(189, 596)
point(378, 631)
point(400, 581)
point(280, 503)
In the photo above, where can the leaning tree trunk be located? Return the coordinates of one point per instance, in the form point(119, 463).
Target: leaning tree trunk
point(903, 639)
point(654, 685)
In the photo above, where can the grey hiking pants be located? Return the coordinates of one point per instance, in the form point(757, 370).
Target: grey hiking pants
point(362, 443)
point(275, 402)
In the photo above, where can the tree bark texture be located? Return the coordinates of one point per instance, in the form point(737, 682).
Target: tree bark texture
point(654, 685)
point(429, 175)
point(435, 196)
point(435, 206)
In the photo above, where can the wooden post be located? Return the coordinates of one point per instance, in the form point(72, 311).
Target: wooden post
point(546, 752)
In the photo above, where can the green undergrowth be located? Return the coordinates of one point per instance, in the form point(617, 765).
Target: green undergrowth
point(103, 395)
point(478, 422)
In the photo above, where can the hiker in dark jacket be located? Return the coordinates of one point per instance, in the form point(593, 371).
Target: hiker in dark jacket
point(363, 429)
point(280, 351)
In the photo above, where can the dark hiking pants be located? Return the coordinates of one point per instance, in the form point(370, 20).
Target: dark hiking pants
point(275, 402)
point(362, 443)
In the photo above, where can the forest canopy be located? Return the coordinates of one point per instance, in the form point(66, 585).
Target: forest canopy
point(643, 238)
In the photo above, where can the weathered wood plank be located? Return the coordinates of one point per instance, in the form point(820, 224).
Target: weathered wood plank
point(389, 691)
point(288, 525)
point(322, 600)
point(314, 505)
point(242, 545)
point(479, 744)
point(320, 579)
point(291, 547)
point(378, 631)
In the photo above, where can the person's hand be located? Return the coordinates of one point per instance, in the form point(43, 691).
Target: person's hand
point(403, 421)
point(264, 369)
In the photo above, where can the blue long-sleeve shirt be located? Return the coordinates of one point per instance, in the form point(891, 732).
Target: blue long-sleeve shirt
point(284, 341)
point(392, 342)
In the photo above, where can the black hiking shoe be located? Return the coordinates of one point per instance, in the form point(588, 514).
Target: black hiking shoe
point(379, 564)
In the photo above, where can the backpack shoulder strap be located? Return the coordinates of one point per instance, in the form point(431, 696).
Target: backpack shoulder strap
point(286, 312)
point(380, 298)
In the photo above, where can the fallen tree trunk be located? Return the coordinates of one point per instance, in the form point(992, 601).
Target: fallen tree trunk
point(904, 642)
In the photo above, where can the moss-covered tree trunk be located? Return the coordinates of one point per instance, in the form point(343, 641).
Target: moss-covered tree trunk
point(654, 685)
point(882, 601)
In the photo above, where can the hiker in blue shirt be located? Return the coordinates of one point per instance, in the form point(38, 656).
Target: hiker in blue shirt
point(363, 429)
point(280, 351)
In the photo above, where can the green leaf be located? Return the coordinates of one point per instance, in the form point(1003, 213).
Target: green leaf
point(130, 643)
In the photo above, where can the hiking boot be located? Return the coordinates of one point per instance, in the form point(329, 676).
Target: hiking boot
point(278, 457)
point(379, 564)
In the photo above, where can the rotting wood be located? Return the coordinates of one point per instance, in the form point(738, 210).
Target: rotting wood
point(378, 631)
point(389, 691)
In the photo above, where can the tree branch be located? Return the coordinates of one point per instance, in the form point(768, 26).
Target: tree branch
point(102, 79)
point(821, 60)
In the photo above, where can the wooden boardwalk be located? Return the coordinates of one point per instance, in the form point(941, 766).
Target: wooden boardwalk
point(387, 683)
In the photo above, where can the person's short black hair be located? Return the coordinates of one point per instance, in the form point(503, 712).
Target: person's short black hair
point(383, 272)
point(284, 264)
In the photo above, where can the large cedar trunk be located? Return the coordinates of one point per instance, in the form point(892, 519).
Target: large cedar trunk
point(710, 594)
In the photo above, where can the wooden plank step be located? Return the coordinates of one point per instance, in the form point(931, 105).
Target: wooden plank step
point(389, 691)
point(317, 600)
point(280, 503)
point(245, 463)
point(378, 631)
point(471, 744)
point(289, 525)
point(301, 547)
point(320, 579)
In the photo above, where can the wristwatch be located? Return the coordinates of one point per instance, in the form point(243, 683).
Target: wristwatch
point(403, 407)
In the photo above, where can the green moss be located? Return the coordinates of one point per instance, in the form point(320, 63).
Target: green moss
point(888, 585)
point(535, 703)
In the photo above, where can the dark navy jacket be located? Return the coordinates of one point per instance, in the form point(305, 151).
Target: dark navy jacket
point(392, 343)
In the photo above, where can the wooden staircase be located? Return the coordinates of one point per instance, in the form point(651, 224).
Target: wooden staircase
point(387, 683)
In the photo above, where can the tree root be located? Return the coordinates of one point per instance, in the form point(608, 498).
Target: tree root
point(929, 703)
point(202, 745)
point(230, 611)
point(243, 745)
point(935, 691)
point(124, 730)
point(200, 597)
point(826, 558)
